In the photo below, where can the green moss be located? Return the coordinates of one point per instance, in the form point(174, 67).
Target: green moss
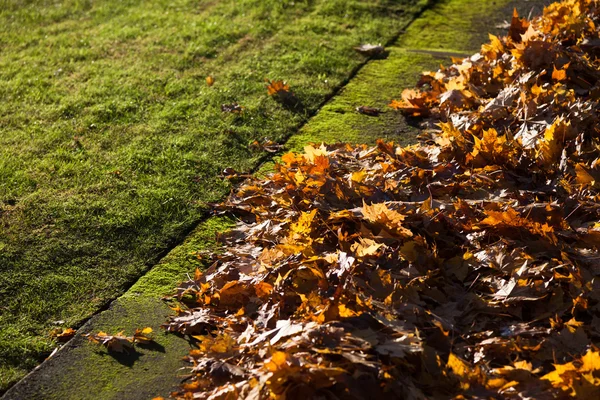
point(193, 253)
point(464, 25)
point(375, 86)
point(88, 371)
point(451, 28)
point(452, 24)
point(151, 371)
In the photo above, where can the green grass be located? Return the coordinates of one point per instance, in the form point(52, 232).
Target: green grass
point(375, 86)
point(451, 28)
point(111, 142)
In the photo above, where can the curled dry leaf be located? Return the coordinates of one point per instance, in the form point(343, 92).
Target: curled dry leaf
point(232, 108)
point(372, 111)
point(120, 343)
point(275, 87)
point(63, 334)
point(141, 335)
point(280, 91)
point(370, 49)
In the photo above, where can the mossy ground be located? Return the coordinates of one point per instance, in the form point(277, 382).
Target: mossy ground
point(84, 371)
point(194, 252)
point(111, 142)
point(451, 28)
point(374, 86)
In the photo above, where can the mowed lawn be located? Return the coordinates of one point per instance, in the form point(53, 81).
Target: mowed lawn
point(111, 141)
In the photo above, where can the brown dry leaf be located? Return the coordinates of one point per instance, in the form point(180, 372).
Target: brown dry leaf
point(366, 110)
point(232, 108)
point(63, 334)
point(120, 343)
point(583, 177)
point(370, 49)
point(276, 87)
point(413, 103)
point(518, 26)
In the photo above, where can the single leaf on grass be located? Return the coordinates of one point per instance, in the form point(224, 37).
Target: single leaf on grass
point(232, 108)
point(63, 334)
point(370, 50)
point(366, 110)
point(280, 91)
point(276, 87)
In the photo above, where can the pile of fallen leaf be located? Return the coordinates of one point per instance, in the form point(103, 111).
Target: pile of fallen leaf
point(467, 266)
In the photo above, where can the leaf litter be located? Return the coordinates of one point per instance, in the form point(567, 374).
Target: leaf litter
point(466, 266)
point(119, 343)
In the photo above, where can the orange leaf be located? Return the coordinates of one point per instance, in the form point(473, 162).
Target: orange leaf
point(560, 74)
point(275, 87)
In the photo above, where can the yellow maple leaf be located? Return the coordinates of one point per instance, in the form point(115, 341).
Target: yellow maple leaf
point(311, 153)
point(366, 247)
point(583, 177)
point(278, 361)
point(493, 147)
point(380, 213)
point(461, 369)
point(551, 146)
point(303, 225)
point(590, 361)
point(358, 176)
point(493, 49)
